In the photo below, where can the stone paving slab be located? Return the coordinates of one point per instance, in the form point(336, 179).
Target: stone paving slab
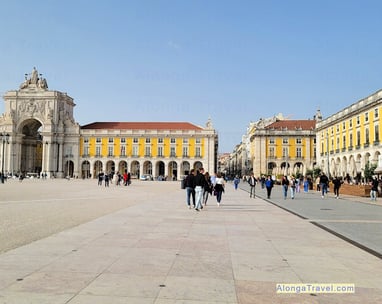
point(156, 250)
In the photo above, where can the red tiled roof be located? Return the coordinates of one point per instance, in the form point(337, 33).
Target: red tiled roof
point(292, 125)
point(141, 126)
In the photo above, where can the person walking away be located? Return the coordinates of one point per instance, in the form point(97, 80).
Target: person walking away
point(306, 185)
point(336, 186)
point(298, 185)
point(293, 187)
point(219, 188)
point(318, 189)
point(374, 189)
point(252, 184)
point(324, 184)
point(284, 185)
point(199, 182)
point(100, 178)
point(207, 188)
point(106, 180)
point(269, 186)
point(236, 182)
point(190, 189)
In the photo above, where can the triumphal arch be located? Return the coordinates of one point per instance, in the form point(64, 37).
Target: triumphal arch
point(38, 130)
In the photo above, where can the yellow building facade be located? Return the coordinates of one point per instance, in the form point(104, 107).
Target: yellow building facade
point(159, 149)
point(284, 147)
point(350, 138)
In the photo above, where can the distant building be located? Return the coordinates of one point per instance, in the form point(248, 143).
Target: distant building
point(41, 136)
point(350, 138)
point(284, 147)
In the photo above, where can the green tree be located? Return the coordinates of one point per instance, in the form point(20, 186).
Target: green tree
point(369, 171)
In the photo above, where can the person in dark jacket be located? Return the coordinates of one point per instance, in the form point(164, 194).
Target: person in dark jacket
point(269, 185)
point(199, 182)
point(324, 181)
point(374, 189)
point(336, 186)
point(190, 188)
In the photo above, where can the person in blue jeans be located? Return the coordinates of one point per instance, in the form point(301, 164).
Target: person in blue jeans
point(285, 184)
point(236, 182)
point(269, 185)
point(190, 188)
point(324, 181)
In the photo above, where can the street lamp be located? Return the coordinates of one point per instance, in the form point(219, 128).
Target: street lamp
point(4, 140)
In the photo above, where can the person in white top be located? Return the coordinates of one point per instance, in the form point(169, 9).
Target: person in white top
point(219, 187)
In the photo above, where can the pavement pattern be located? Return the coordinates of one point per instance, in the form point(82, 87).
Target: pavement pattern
point(141, 244)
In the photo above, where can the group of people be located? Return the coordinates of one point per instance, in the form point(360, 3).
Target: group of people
point(200, 185)
point(117, 178)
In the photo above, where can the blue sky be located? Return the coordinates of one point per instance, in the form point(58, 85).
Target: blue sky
point(167, 60)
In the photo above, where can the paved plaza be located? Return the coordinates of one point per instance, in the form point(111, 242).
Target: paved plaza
point(75, 242)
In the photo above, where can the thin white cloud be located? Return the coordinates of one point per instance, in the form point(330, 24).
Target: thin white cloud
point(173, 45)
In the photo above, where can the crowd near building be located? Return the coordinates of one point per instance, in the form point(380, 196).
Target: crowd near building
point(341, 145)
point(40, 137)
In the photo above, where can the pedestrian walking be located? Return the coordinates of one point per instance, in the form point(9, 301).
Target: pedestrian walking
point(269, 185)
point(199, 182)
point(374, 189)
point(219, 188)
point(293, 187)
point(100, 178)
point(324, 184)
point(106, 180)
point(207, 188)
point(336, 187)
point(190, 189)
point(285, 185)
point(252, 184)
point(306, 185)
point(236, 182)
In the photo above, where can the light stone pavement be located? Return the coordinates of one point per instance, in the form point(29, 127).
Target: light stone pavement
point(141, 244)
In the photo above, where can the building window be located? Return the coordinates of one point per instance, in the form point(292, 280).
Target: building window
point(98, 140)
point(367, 136)
point(148, 140)
point(338, 127)
point(160, 140)
point(147, 151)
point(285, 140)
point(86, 150)
point(197, 140)
point(298, 152)
point(172, 140)
point(135, 151)
point(376, 115)
point(160, 151)
point(344, 141)
point(110, 151)
point(135, 140)
point(298, 140)
point(123, 140)
point(376, 133)
point(338, 143)
point(197, 152)
point(86, 140)
point(98, 151)
point(123, 151)
point(172, 152)
point(285, 153)
point(358, 120)
point(343, 125)
point(351, 140)
point(185, 141)
point(271, 141)
point(358, 138)
point(350, 123)
point(111, 140)
point(366, 117)
point(271, 152)
point(185, 151)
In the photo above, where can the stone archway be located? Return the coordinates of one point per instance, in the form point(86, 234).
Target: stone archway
point(31, 147)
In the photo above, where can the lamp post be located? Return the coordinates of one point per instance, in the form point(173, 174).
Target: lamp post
point(4, 140)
